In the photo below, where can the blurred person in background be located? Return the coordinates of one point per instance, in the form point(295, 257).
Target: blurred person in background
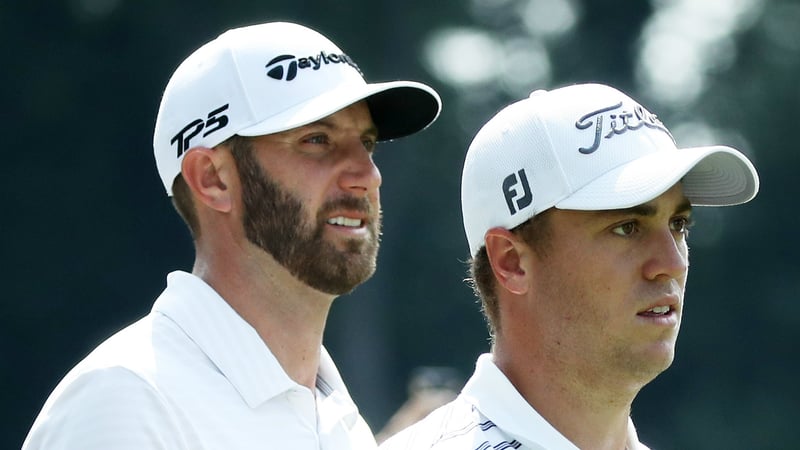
point(576, 205)
point(428, 388)
point(264, 140)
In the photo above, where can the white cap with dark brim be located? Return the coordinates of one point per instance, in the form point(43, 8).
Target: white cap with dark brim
point(269, 78)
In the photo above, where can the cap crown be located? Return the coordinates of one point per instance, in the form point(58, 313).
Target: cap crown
point(242, 78)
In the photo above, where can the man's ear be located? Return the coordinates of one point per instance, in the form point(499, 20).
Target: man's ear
point(506, 254)
point(208, 173)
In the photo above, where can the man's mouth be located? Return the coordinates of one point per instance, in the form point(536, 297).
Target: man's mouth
point(345, 222)
point(659, 310)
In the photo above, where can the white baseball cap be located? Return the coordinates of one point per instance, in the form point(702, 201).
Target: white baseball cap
point(586, 147)
point(273, 77)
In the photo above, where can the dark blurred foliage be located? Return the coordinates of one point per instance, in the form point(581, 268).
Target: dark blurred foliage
point(89, 235)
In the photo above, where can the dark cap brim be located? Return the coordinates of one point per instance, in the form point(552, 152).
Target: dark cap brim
point(403, 110)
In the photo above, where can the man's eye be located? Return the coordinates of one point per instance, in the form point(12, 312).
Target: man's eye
point(317, 139)
point(626, 229)
point(681, 225)
point(369, 145)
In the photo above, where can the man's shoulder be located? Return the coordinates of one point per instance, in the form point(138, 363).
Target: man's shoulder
point(110, 390)
point(133, 348)
point(136, 355)
point(456, 425)
point(125, 359)
point(121, 386)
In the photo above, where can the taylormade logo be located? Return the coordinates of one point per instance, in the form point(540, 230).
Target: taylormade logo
point(285, 67)
point(613, 120)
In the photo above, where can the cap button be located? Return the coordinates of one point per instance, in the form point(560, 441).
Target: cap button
point(537, 93)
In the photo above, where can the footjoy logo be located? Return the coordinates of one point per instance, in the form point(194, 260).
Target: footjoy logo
point(511, 193)
point(285, 67)
point(613, 120)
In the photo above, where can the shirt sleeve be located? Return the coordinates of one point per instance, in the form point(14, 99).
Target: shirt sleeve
point(108, 408)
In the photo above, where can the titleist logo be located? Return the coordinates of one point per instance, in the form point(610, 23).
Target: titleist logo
point(613, 120)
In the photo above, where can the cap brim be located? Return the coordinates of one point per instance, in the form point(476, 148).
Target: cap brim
point(398, 108)
point(710, 176)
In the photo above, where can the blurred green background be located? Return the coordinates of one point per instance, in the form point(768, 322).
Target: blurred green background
point(89, 235)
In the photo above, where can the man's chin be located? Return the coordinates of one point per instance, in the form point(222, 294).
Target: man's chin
point(340, 272)
point(340, 285)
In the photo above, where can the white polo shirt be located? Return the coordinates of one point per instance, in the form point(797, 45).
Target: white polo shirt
point(194, 375)
point(489, 414)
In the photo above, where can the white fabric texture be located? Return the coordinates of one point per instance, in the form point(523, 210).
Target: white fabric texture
point(488, 414)
point(194, 375)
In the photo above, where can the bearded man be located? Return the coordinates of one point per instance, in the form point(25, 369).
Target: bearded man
point(264, 140)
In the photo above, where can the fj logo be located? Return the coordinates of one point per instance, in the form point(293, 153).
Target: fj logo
point(285, 67)
point(510, 184)
point(212, 123)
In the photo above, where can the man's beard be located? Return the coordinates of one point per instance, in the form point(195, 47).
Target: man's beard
point(274, 221)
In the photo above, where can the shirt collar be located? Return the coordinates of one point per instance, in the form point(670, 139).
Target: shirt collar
point(495, 397)
point(335, 404)
point(231, 343)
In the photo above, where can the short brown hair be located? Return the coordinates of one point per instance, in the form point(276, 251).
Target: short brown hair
point(535, 232)
point(183, 203)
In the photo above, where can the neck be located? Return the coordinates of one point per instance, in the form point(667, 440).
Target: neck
point(288, 315)
point(590, 413)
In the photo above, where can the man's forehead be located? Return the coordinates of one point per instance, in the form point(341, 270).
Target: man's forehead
point(356, 116)
point(671, 202)
point(653, 207)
